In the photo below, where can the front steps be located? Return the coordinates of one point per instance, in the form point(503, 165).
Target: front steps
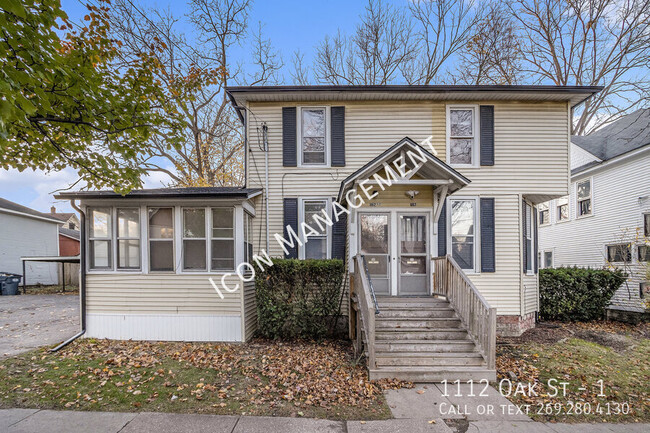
point(422, 340)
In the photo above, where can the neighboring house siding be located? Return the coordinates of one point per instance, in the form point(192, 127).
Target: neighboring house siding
point(24, 236)
point(620, 197)
point(580, 157)
point(68, 246)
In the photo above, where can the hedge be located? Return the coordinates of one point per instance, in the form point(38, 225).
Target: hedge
point(577, 294)
point(298, 298)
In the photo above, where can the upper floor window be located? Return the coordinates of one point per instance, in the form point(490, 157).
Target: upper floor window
point(463, 233)
point(583, 194)
point(544, 215)
point(621, 253)
point(313, 136)
point(317, 246)
point(100, 238)
point(562, 209)
point(461, 133)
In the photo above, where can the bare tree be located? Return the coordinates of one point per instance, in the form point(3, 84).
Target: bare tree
point(442, 28)
point(300, 73)
point(589, 42)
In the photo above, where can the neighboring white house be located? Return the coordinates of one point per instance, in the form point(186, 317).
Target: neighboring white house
point(605, 221)
point(26, 232)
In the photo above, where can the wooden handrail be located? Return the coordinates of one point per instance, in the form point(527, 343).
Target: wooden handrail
point(366, 305)
point(475, 313)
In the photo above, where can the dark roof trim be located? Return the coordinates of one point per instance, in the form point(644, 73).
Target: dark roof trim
point(190, 192)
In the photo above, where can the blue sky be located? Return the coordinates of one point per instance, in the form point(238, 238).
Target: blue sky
point(290, 24)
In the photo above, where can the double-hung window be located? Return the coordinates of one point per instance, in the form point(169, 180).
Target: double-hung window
point(128, 238)
point(313, 135)
point(529, 237)
point(100, 236)
point(462, 136)
point(317, 245)
point(583, 194)
point(248, 237)
point(562, 207)
point(194, 239)
point(544, 214)
point(161, 239)
point(222, 239)
point(463, 233)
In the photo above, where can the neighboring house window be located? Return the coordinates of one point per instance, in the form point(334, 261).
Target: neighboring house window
point(583, 193)
point(544, 215)
point(161, 239)
point(548, 259)
point(128, 238)
point(248, 237)
point(194, 239)
point(643, 253)
point(316, 246)
point(463, 233)
point(619, 253)
point(563, 209)
point(223, 239)
point(71, 226)
point(313, 136)
point(462, 132)
point(100, 238)
point(646, 225)
point(529, 238)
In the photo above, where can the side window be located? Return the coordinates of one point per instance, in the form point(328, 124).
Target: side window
point(222, 239)
point(313, 136)
point(100, 238)
point(562, 209)
point(194, 239)
point(643, 253)
point(316, 246)
point(529, 237)
point(583, 195)
point(544, 215)
point(619, 253)
point(161, 239)
point(462, 133)
point(248, 237)
point(128, 238)
point(463, 233)
point(548, 259)
point(646, 225)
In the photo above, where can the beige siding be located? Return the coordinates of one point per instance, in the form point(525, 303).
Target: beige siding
point(250, 310)
point(160, 294)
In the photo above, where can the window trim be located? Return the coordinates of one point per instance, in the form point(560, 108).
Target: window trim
point(109, 238)
point(591, 198)
point(539, 214)
point(172, 240)
point(328, 135)
point(556, 206)
point(211, 238)
point(477, 231)
point(301, 219)
point(476, 126)
point(542, 258)
point(530, 235)
point(248, 236)
point(118, 238)
point(205, 238)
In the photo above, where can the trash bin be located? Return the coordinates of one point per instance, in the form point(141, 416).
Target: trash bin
point(9, 283)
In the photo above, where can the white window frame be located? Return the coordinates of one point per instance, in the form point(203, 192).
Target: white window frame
point(205, 238)
point(248, 237)
point(530, 236)
point(118, 238)
point(539, 214)
point(172, 239)
point(301, 219)
point(614, 244)
point(477, 231)
point(475, 127)
point(109, 238)
point(591, 197)
point(328, 135)
point(556, 207)
point(542, 261)
point(212, 238)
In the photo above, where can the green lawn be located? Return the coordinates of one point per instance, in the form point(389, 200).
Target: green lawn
point(264, 378)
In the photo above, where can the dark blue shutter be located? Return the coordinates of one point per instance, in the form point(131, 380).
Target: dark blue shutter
point(339, 231)
point(488, 263)
point(338, 137)
point(442, 231)
point(291, 220)
point(289, 158)
point(536, 256)
point(525, 248)
point(487, 134)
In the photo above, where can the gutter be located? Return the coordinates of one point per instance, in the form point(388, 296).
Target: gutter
point(82, 278)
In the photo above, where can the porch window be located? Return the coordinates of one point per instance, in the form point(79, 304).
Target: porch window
point(583, 194)
point(223, 239)
point(161, 239)
point(194, 239)
point(100, 238)
point(563, 209)
point(313, 136)
point(316, 246)
point(461, 133)
point(544, 215)
point(248, 237)
point(529, 237)
point(619, 253)
point(128, 238)
point(463, 232)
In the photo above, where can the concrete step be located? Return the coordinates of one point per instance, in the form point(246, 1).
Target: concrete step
point(433, 374)
point(412, 304)
point(420, 334)
point(443, 346)
point(416, 323)
point(394, 359)
point(407, 313)
point(419, 299)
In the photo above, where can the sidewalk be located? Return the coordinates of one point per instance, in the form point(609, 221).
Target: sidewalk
point(48, 421)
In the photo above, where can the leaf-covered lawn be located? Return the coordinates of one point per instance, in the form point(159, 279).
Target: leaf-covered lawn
point(262, 378)
point(581, 354)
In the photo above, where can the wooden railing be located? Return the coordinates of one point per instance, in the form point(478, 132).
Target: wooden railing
point(367, 308)
point(476, 314)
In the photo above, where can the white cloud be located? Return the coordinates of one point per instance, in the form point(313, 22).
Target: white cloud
point(35, 189)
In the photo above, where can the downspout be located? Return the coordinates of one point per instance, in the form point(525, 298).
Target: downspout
point(82, 278)
point(265, 138)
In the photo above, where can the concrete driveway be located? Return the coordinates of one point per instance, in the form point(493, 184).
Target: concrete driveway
point(31, 321)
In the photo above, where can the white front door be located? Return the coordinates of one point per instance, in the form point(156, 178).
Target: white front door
point(413, 258)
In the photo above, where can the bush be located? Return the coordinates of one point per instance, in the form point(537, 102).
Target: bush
point(576, 294)
point(297, 298)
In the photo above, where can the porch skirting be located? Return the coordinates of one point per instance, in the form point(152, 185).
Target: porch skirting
point(164, 327)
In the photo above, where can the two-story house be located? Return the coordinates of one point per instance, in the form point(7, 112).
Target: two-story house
point(431, 191)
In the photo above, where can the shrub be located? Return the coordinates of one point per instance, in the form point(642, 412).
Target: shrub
point(577, 294)
point(297, 298)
